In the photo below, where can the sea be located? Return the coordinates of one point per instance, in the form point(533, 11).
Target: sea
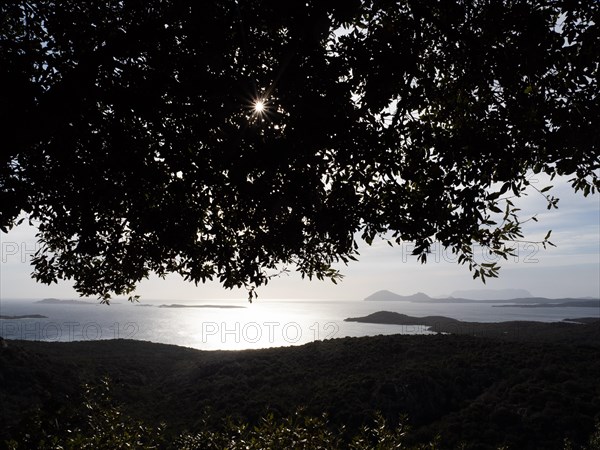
point(239, 325)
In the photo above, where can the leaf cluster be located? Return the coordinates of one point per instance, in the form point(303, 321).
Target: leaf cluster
point(131, 142)
point(107, 427)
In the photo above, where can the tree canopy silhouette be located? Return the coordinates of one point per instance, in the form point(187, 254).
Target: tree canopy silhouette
point(227, 139)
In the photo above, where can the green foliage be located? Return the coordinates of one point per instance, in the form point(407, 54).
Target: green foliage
point(592, 444)
point(380, 436)
point(95, 423)
point(104, 426)
point(132, 143)
point(298, 431)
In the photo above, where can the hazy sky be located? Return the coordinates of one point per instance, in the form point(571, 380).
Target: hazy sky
point(570, 269)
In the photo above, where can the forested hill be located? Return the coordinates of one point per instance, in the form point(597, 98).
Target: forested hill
point(486, 392)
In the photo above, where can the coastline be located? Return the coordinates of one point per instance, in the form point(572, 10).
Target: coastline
point(584, 330)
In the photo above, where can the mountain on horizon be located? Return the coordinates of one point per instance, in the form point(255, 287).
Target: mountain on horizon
point(385, 295)
point(521, 297)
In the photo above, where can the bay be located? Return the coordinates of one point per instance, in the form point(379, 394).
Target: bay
point(236, 324)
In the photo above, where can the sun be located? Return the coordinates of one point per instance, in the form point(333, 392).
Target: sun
point(259, 106)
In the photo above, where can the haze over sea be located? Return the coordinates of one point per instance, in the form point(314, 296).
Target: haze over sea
point(236, 324)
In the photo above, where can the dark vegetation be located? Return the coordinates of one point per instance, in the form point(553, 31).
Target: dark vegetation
point(131, 141)
point(484, 392)
point(100, 424)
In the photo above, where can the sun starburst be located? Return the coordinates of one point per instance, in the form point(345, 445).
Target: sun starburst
point(259, 106)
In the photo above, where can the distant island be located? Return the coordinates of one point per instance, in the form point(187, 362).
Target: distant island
point(530, 301)
point(573, 303)
point(393, 318)
point(26, 316)
point(582, 330)
point(56, 301)
point(202, 306)
point(391, 296)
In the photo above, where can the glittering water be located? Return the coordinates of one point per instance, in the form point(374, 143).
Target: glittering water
point(265, 323)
